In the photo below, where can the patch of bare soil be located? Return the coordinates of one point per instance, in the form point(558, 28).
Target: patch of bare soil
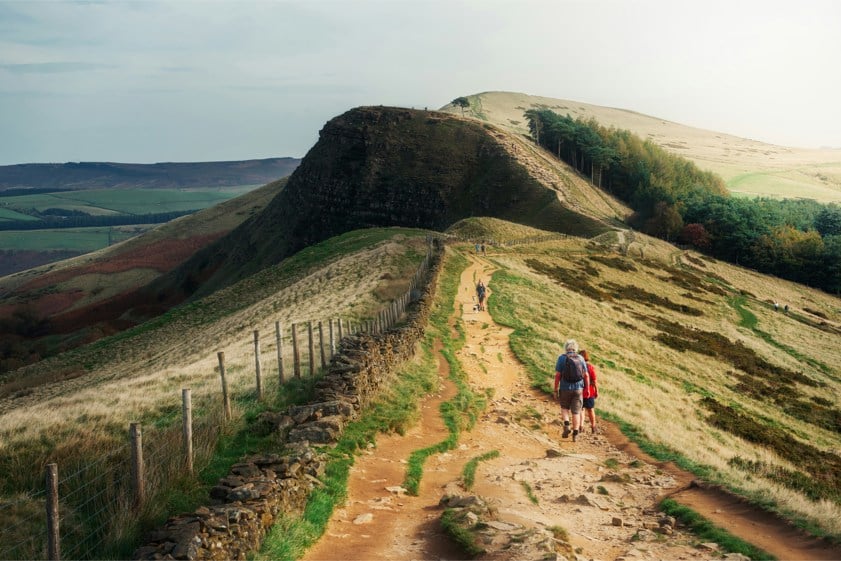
point(601, 489)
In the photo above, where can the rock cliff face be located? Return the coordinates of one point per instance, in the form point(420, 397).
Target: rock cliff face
point(374, 167)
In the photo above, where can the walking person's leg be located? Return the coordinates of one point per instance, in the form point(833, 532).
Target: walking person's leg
point(590, 409)
point(575, 409)
point(568, 411)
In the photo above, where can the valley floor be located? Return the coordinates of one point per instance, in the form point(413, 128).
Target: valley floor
point(602, 489)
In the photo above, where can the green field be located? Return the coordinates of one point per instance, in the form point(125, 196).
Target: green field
point(124, 201)
point(8, 214)
point(71, 239)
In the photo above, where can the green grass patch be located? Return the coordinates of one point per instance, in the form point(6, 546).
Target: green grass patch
point(122, 201)
point(612, 463)
point(468, 474)
point(9, 214)
point(748, 320)
point(708, 532)
point(529, 492)
point(65, 239)
point(454, 524)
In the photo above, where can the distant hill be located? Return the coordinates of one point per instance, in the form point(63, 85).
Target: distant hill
point(99, 175)
point(749, 167)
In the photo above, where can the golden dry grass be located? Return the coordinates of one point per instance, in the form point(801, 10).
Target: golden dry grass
point(749, 167)
point(658, 388)
point(140, 378)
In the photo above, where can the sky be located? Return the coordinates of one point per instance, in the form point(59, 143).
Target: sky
point(189, 80)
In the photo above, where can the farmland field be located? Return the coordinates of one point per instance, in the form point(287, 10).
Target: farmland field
point(7, 214)
point(73, 239)
point(123, 201)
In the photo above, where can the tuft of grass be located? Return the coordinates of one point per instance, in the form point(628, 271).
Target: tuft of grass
point(468, 474)
point(707, 531)
point(529, 492)
point(454, 526)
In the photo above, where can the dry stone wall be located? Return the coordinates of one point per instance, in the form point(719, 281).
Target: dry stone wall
point(245, 504)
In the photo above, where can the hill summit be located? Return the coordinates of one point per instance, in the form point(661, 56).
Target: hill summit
point(382, 166)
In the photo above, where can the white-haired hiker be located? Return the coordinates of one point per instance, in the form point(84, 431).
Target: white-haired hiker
point(570, 380)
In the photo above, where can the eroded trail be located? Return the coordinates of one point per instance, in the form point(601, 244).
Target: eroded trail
point(596, 489)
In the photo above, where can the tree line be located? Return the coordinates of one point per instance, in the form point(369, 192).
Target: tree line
point(673, 199)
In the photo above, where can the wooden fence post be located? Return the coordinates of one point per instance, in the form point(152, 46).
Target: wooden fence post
point(257, 365)
point(278, 333)
point(321, 343)
point(187, 424)
point(138, 477)
point(53, 536)
point(311, 349)
point(332, 341)
point(226, 400)
point(296, 354)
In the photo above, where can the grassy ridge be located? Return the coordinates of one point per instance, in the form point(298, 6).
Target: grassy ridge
point(79, 428)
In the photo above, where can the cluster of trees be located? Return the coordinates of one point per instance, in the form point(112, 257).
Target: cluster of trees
point(672, 199)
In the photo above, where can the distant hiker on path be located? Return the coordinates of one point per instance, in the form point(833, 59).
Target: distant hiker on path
point(480, 294)
point(590, 393)
point(570, 381)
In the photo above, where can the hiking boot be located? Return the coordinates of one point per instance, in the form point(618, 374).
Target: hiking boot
point(593, 429)
point(566, 431)
point(574, 435)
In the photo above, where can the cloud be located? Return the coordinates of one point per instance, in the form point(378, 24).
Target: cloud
point(53, 67)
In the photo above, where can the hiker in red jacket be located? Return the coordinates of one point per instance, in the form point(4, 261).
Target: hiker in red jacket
point(590, 392)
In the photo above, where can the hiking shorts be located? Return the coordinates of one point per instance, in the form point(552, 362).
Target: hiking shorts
point(589, 402)
point(571, 399)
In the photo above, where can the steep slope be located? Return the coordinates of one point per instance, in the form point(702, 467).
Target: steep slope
point(748, 166)
point(63, 304)
point(378, 166)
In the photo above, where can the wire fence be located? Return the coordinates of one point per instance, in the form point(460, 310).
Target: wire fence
point(99, 499)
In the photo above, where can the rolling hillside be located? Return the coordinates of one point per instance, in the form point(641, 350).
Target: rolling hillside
point(690, 351)
point(379, 166)
point(693, 356)
point(75, 176)
point(750, 167)
point(61, 305)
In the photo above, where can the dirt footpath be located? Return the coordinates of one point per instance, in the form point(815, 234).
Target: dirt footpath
point(599, 492)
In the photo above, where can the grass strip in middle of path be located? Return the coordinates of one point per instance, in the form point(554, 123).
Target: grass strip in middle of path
point(395, 411)
point(468, 474)
point(461, 412)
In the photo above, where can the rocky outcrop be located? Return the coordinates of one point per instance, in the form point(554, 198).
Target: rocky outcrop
point(381, 167)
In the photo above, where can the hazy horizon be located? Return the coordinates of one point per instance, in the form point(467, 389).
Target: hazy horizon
point(148, 82)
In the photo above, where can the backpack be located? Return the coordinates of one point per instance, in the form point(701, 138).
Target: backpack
point(573, 369)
